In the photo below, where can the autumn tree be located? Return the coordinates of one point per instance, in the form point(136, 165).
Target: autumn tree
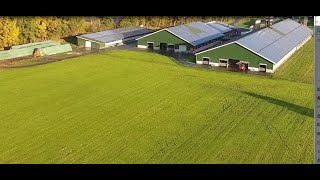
point(53, 27)
point(9, 33)
point(165, 21)
point(64, 25)
point(153, 22)
point(179, 20)
point(130, 21)
point(193, 19)
point(76, 25)
point(107, 23)
point(27, 29)
point(40, 25)
point(142, 20)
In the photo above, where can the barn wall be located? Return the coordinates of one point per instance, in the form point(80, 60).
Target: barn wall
point(234, 51)
point(96, 45)
point(81, 42)
point(162, 37)
point(112, 43)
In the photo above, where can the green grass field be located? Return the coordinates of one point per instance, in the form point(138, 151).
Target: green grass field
point(246, 23)
point(137, 107)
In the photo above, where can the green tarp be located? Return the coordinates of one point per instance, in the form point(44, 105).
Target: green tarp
point(47, 48)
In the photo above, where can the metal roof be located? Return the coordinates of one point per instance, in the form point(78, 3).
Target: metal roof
point(195, 33)
point(285, 26)
point(276, 42)
point(277, 50)
point(116, 34)
point(219, 26)
point(260, 39)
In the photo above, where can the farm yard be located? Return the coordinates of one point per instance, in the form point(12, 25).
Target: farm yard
point(137, 107)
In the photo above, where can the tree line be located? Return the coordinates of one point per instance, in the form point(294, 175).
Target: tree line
point(28, 29)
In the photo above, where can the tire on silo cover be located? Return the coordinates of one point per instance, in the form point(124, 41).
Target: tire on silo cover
point(37, 52)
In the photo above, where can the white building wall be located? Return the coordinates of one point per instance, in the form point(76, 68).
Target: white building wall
point(286, 57)
point(269, 71)
point(142, 46)
point(210, 63)
point(214, 64)
point(257, 69)
point(250, 68)
point(253, 69)
point(301, 44)
point(113, 43)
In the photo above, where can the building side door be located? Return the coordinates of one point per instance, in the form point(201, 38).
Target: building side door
point(163, 46)
point(88, 44)
point(205, 60)
point(150, 45)
point(262, 67)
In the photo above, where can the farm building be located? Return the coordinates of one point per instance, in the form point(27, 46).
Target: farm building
point(227, 30)
point(263, 50)
point(103, 39)
point(192, 37)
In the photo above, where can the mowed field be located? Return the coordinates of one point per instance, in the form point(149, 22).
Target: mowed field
point(138, 107)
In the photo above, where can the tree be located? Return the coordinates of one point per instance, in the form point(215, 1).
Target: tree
point(179, 20)
point(53, 27)
point(142, 20)
point(152, 22)
point(27, 29)
point(64, 24)
point(165, 21)
point(193, 19)
point(93, 24)
point(129, 21)
point(76, 25)
point(40, 25)
point(9, 33)
point(107, 23)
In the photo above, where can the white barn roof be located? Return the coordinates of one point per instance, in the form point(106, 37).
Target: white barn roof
point(276, 42)
point(116, 34)
point(195, 33)
point(220, 27)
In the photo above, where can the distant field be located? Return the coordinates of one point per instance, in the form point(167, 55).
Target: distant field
point(138, 107)
point(245, 23)
point(300, 67)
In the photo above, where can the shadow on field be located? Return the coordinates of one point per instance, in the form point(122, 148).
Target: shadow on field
point(293, 107)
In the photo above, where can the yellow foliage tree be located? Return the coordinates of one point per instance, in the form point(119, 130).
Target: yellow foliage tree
point(41, 28)
point(9, 33)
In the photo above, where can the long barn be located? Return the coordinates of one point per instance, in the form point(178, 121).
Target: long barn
point(104, 39)
point(264, 50)
point(192, 37)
